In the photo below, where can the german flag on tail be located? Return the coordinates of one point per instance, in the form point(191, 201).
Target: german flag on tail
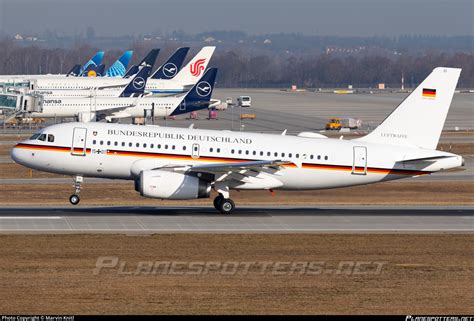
point(429, 93)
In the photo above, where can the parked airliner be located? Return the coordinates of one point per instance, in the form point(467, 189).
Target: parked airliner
point(180, 83)
point(132, 102)
point(176, 163)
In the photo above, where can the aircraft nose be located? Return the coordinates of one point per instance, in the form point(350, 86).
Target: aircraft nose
point(19, 155)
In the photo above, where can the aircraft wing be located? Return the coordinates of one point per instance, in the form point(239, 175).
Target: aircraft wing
point(238, 166)
point(112, 110)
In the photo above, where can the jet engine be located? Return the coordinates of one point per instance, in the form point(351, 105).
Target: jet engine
point(171, 185)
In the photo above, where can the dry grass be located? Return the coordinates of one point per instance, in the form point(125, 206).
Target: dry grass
point(389, 193)
point(53, 274)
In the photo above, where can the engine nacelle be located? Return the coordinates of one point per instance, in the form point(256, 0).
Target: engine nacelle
point(171, 185)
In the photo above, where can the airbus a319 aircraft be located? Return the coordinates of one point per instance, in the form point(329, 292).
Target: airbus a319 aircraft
point(176, 163)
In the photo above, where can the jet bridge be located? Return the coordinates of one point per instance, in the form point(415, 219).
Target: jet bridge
point(21, 103)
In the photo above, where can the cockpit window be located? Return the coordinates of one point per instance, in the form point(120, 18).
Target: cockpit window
point(35, 136)
point(50, 138)
point(42, 137)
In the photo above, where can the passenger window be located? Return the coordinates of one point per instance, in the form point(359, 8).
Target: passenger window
point(246, 152)
point(268, 153)
point(144, 145)
point(123, 144)
point(166, 146)
point(151, 145)
point(129, 144)
point(282, 154)
point(319, 156)
point(261, 153)
point(290, 155)
point(137, 144)
point(108, 143)
point(275, 154)
point(94, 142)
point(325, 158)
point(232, 151)
point(311, 157)
point(218, 150)
point(184, 147)
point(211, 149)
point(116, 143)
point(173, 147)
point(297, 155)
point(102, 142)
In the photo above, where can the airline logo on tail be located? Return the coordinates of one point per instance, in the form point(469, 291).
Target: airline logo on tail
point(203, 88)
point(91, 73)
point(197, 67)
point(429, 93)
point(138, 83)
point(170, 69)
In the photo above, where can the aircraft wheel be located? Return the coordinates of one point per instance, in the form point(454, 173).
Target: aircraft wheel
point(217, 200)
point(74, 199)
point(226, 206)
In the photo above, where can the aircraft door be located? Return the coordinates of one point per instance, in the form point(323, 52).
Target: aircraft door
point(195, 151)
point(359, 166)
point(78, 147)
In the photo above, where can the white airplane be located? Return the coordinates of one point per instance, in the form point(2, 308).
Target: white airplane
point(176, 163)
point(131, 102)
point(181, 83)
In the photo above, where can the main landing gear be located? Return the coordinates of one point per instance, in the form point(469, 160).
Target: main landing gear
point(224, 205)
point(222, 202)
point(74, 198)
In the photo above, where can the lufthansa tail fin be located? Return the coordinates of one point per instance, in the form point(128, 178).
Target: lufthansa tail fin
point(136, 87)
point(119, 67)
point(419, 119)
point(94, 61)
point(191, 73)
point(149, 59)
point(199, 96)
point(172, 66)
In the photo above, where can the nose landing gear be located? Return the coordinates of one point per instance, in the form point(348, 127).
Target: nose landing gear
point(74, 199)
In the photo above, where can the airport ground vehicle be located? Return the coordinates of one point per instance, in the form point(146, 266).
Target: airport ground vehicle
point(244, 101)
point(338, 123)
point(248, 116)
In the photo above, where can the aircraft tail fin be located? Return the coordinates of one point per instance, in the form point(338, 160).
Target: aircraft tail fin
point(172, 66)
point(94, 71)
point(199, 96)
point(419, 119)
point(119, 67)
point(75, 71)
point(95, 61)
point(149, 59)
point(193, 71)
point(136, 86)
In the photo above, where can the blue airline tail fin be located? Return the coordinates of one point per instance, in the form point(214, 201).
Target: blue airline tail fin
point(199, 96)
point(136, 86)
point(119, 67)
point(75, 71)
point(95, 61)
point(171, 67)
point(149, 59)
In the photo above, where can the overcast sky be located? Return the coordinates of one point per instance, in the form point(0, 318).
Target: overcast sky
point(322, 17)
